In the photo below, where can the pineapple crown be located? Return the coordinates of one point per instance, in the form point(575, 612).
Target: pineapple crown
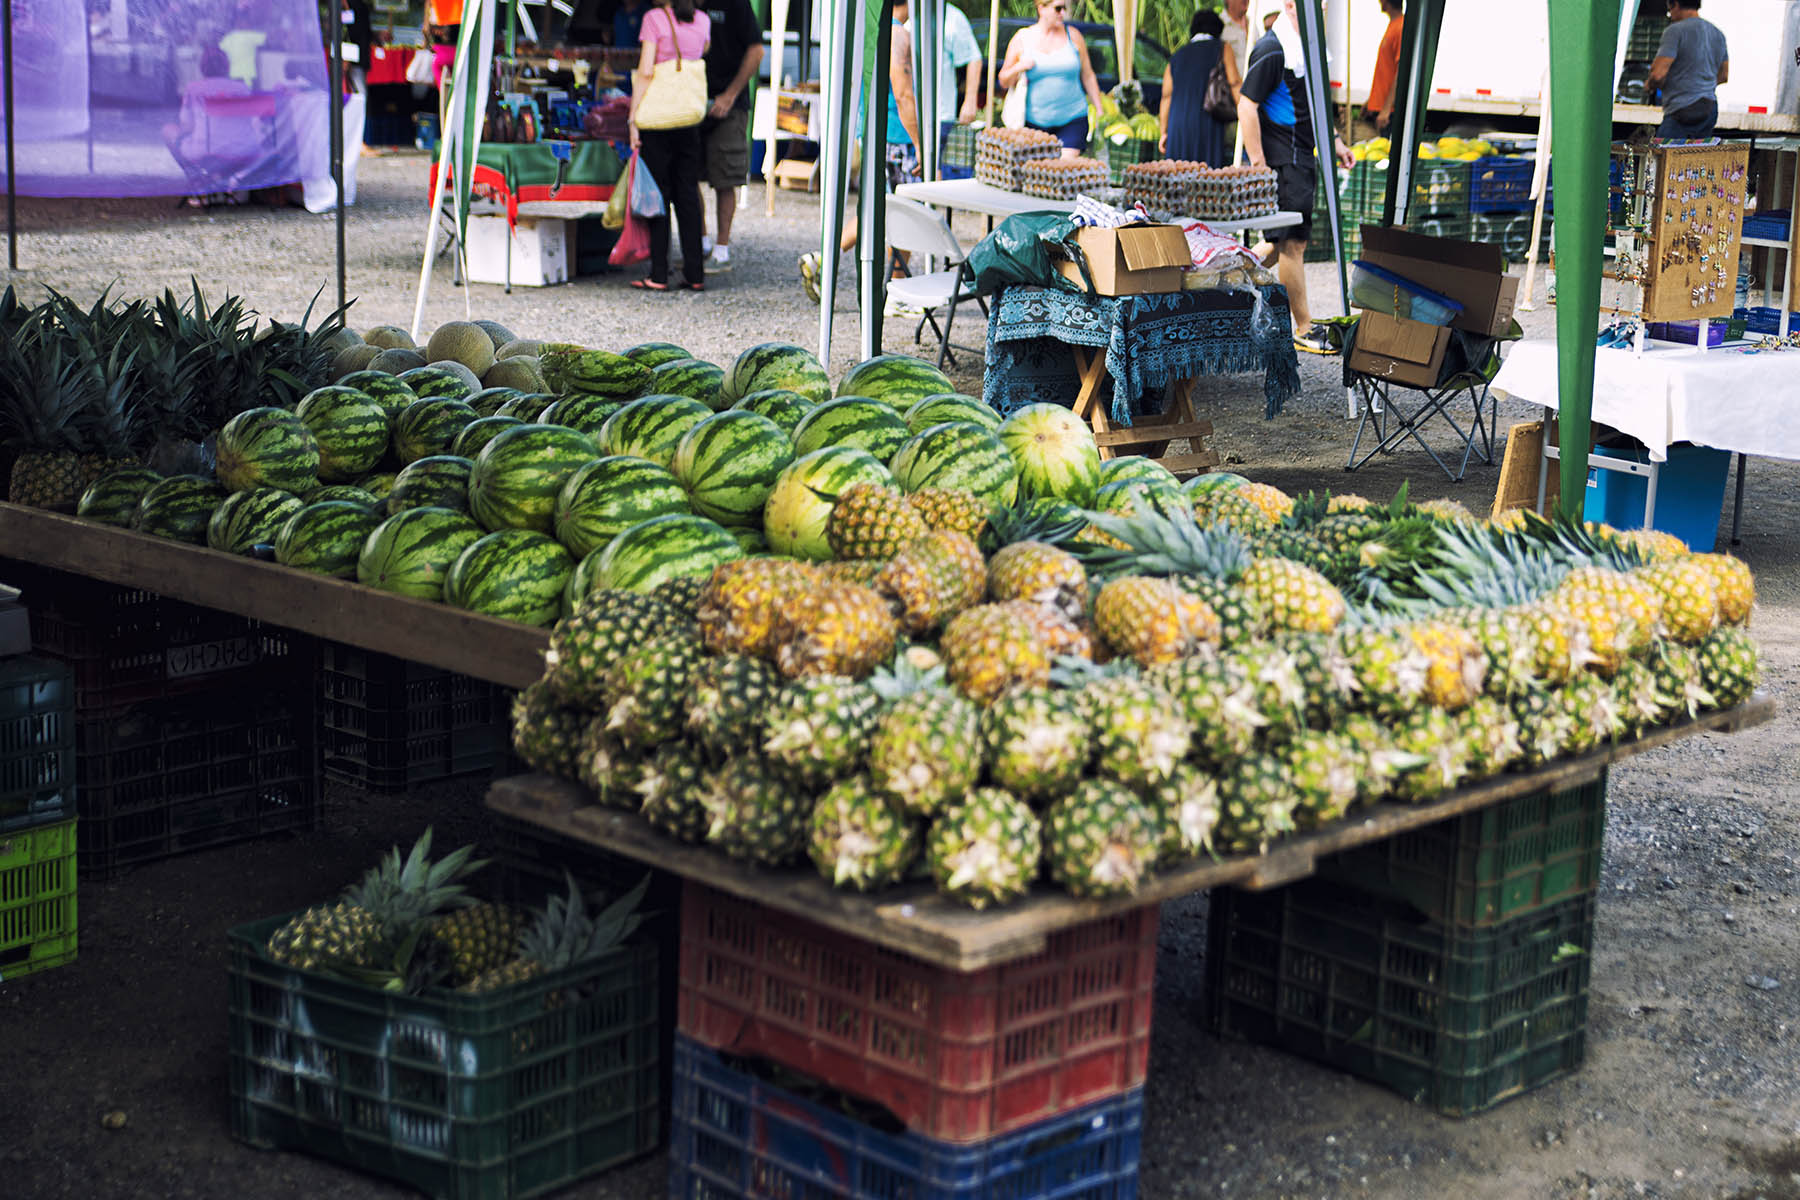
point(903, 677)
point(403, 894)
point(1309, 509)
point(1073, 673)
point(564, 933)
point(1052, 522)
point(1167, 542)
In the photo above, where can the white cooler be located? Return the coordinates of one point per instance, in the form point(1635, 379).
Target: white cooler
point(539, 245)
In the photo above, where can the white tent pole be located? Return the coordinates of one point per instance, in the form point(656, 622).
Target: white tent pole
point(871, 244)
point(778, 22)
point(993, 58)
point(1540, 193)
point(1125, 20)
point(839, 71)
point(928, 35)
point(468, 73)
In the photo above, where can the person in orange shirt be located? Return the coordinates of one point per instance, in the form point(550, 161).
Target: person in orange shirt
point(1380, 108)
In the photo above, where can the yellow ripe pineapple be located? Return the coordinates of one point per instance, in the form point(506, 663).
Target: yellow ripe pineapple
point(1638, 606)
point(1510, 520)
point(1274, 503)
point(1456, 667)
point(1447, 510)
point(1040, 574)
point(740, 610)
point(1558, 643)
point(1603, 619)
point(1153, 621)
point(1655, 545)
point(1349, 502)
point(1690, 598)
point(872, 521)
point(1295, 596)
point(991, 650)
point(952, 509)
point(1061, 637)
point(934, 579)
point(864, 571)
point(1735, 586)
point(841, 629)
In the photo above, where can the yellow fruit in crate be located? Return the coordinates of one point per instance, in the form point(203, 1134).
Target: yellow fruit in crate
point(1427, 151)
point(1481, 147)
point(1467, 156)
point(1359, 153)
point(1381, 143)
point(1450, 145)
point(1118, 132)
point(1146, 127)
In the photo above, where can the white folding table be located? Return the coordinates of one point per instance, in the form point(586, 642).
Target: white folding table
point(972, 195)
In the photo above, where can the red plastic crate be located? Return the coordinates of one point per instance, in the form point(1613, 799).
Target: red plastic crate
point(954, 1056)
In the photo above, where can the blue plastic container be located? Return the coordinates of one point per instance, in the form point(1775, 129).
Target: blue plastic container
point(1690, 492)
point(734, 1135)
point(1381, 290)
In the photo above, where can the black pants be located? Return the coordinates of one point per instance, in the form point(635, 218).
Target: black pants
point(673, 158)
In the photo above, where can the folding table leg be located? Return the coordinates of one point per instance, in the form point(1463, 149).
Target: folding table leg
point(1737, 503)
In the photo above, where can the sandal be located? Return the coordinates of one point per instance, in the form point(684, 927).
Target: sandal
point(691, 287)
point(649, 285)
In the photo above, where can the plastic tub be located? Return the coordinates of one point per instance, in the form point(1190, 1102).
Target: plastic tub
point(1378, 289)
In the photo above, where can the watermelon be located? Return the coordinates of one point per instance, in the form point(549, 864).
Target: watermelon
point(1054, 512)
point(246, 520)
point(568, 369)
point(384, 389)
point(778, 365)
point(411, 552)
point(435, 481)
point(1125, 497)
point(525, 406)
point(729, 462)
point(794, 516)
point(781, 406)
point(690, 377)
point(854, 421)
point(950, 406)
point(113, 498)
point(267, 447)
point(1134, 466)
point(378, 484)
point(347, 492)
point(178, 508)
point(581, 412)
point(959, 454)
point(325, 538)
point(651, 427)
point(1055, 452)
point(350, 428)
point(607, 496)
point(654, 354)
point(487, 402)
point(662, 548)
point(1213, 481)
point(480, 432)
point(520, 473)
point(750, 540)
point(514, 574)
point(897, 380)
point(428, 426)
point(437, 381)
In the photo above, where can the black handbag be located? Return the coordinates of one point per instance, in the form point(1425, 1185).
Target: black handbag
point(1219, 104)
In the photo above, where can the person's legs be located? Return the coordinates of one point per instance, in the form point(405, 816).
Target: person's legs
point(655, 155)
point(685, 168)
point(727, 169)
point(1290, 268)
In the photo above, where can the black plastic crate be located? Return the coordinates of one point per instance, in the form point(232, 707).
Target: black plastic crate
point(37, 742)
point(183, 774)
point(388, 724)
point(1455, 1018)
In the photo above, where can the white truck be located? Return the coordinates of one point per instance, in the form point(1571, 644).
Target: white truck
point(1494, 59)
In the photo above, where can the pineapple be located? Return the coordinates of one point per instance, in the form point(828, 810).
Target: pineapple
point(1389, 667)
point(1218, 698)
point(608, 767)
point(1434, 736)
point(1060, 637)
point(479, 938)
point(325, 935)
point(873, 521)
point(1689, 597)
point(1557, 643)
point(951, 509)
point(649, 685)
point(1622, 615)
point(1152, 621)
point(1139, 736)
point(1349, 502)
point(1447, 510)
point(858, 839)
point(1678, 677)
point(1728, 666)
point(682, 593)
point(68, 408)
point(1041, 574)
point(1654, 544)
point(1544, 725)
point(1594, 715)
point(935, 578)
point(1327, 682)
point(1295, 597)
point(1241, 616)
point(1277, 689)
point(546, 734)
point(670, 786)
point(727, 700)
point(1509, 520)
point(562, 935)
point(1641, 701)
point(1735, 587)
point(1456, 669)
point(1186, 807)
point(1380, 762)
point(1492, 734)
point(842, 629)
point(1037, 743)
point(586, 645)
point(991, 650)
point(1297, 546)
point(1101, 840)
point(755, 812)
point(864, 572)
point(1230, 507)
point(985, 849)
point(1256, 804)
point(1322, 768)
point(926, 750)
point(1607, 630)
point(1504, 641)
point(1275, 504)
point(740, 610)
point(818, 728)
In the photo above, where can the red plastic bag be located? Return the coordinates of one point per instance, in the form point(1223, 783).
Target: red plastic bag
point(633, 245)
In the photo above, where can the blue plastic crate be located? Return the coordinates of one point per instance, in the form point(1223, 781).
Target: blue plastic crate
point(735, 1135)
point(1690, 492)
point(1502, 185)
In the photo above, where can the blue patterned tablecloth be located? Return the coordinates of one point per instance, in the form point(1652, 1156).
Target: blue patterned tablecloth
point(1149, 340)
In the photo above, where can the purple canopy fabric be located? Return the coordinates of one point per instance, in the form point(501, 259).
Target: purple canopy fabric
point(167, 97)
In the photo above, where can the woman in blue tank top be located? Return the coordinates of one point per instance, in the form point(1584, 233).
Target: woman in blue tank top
point(1052, 59)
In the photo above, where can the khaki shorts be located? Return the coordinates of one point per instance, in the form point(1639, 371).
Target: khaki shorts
point(728, 151)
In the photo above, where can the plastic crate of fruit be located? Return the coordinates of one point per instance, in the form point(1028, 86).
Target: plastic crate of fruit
point(488, 1096)
point(388, 724)
point(1453, 1017)
point(37, 899)
point(1441, 187)
point(735, 1133)
point(955, 1056)
point(37, 741)
point(1503, 185)
point(1123, 153)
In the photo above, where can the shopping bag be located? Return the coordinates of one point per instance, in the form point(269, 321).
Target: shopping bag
point(614, 216)
point(1012, 109)
point(675, 97)
point(646, 197)
point(633, 245)
point(420, 69)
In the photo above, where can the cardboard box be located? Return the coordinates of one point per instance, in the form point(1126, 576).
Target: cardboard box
point(1471, 273)
point(1132, 260)
point(1408, 352)
point(539, 247)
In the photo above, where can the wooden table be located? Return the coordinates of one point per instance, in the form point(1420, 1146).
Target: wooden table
point(972, 195)
point(503, 652)
point(1150, 435)
point(913, 919)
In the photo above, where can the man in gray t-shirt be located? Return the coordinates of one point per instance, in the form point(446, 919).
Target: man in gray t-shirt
point(1690, 65)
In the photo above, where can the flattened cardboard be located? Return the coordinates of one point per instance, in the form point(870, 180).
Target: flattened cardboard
point(1469, 272)
point(1133, 260)
point(1401, 351)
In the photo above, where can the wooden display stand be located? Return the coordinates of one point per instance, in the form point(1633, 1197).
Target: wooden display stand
point(1696, 225)
point(1149, 436)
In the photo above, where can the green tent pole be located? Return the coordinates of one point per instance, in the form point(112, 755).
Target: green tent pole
point(1412, 96)
point(1318, 87)
point(1583, 34)
point(842, 60)
point(512, 28)
point(871, 243)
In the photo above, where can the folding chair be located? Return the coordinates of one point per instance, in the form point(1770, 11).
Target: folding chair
point(1393, 421)
point(917, 229)
point(236, 133)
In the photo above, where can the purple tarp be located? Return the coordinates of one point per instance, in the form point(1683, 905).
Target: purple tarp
point(167, 97)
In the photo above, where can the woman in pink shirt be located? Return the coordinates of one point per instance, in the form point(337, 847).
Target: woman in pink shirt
point(672, 29)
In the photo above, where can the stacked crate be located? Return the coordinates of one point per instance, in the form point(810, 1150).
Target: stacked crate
point(37, 815)
point(1440, 200)
point(389, 725)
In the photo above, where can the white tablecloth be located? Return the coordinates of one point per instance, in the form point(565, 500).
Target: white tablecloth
point(1724, 398)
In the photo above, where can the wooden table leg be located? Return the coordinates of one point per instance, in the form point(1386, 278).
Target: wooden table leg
point(1151, 435)
point(1090, 365)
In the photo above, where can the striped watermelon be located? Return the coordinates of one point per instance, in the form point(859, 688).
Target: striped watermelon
point(662, 548)
point(487, 401)
point(853, 421)
point(690, 377)
point(348, 492)
point(246, 520)
point(267, 447)
point(428, 426)
point(751, 540)
point(581, 412)
point(178, 508)
point(607, 496)
point(1137, 494)
point(525, 406)
point(1135, 466)
point(1213, 481)
point(113, 498)
point(435, 481)
point(325, 538)
point(411, 552)
point(651, 427)
point(654, 354)
point(350, 428)
point(898, 380)
point(384, 389)
point(520, 473)
point(437, 381)
point(729, 463)
point(950, 406)
point(378, 484)
point(797, 509)
point(515, 574)
point(778, 365)
point(959, 454)
point(480, 432)
point(1055, 452)
point(781, 406)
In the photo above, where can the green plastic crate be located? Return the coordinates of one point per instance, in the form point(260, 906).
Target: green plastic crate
point(37, 899)
point(1120, 155)
point(1488, 866)
point(464, 1097)
point(1444, 225)
point(37, 741)
point(1441, 186)
point(1455, 1018)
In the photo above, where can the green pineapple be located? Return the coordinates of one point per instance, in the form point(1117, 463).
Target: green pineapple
point(755, 812)
point(1544, 725)
point(1037, 743)
point(1139, 734)
point(1219, 701)
point(727, 700)
point(565, 934)
point(1492, 734)
point(927, 745)
point(819, 728)
point(1241, 616)
point(325, 935)
point(1343, 535)
point(1390, 669)
point(859, 839)
point(682, 593)
point(1728, 665)
point(479, 938)
point(1505, 642)
point(1101, 840)
point(1433, 735)
point(1678, 677)
point(585, 646)
point(1186, 806)
point(1322, 769)
point(1256, 804)
point(1593, 712)
point(985, 849)
point(1641, 701)
point(1296, 546)
point(608, 767)
point(546, 734)
point(671, 785)
point(1327, 682)
point(649, 688)
point(1278, 692)
point(1379, 762)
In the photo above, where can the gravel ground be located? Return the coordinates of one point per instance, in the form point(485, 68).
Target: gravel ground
point(1689, 1089)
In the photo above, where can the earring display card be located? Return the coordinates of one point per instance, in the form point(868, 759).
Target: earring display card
point(1695, 231)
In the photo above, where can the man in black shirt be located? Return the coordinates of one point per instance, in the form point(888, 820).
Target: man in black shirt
point(732, 58)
